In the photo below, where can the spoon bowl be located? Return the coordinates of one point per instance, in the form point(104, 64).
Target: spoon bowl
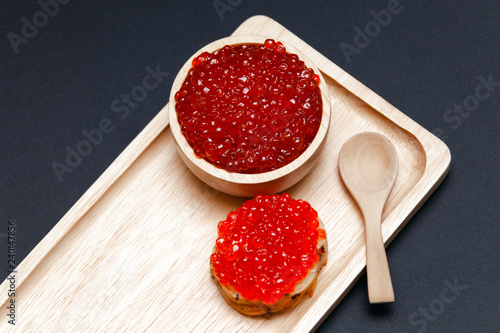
point(368, 165)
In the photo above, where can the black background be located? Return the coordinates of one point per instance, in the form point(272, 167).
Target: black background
point(426, 60)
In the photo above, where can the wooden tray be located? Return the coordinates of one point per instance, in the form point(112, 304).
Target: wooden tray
point(133, 253)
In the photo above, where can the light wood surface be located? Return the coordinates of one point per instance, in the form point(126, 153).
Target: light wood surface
point(368, 165)
point(250, 185)
point(133, 253)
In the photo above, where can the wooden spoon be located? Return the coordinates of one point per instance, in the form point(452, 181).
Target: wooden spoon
point(368, 165)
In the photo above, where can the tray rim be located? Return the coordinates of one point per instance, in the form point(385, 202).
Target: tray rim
point(432, 177)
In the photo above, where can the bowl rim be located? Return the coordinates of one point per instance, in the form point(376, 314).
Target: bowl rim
point(242, 178)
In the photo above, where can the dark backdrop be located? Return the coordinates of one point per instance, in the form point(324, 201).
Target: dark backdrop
point(428, 61)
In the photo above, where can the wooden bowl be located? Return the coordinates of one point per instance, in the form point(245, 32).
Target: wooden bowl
point(249, 185)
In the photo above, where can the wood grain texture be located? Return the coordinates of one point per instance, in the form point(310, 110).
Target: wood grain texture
point(250, 185)
point(133, 253)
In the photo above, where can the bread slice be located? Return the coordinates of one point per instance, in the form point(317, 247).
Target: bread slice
point(304, 288)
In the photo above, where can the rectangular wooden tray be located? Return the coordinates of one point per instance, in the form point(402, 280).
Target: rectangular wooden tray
point(133, 253)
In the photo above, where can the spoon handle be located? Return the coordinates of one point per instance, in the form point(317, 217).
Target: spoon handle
point(377, 268)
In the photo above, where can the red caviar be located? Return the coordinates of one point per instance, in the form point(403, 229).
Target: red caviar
point(266, 247)
point(249, 108)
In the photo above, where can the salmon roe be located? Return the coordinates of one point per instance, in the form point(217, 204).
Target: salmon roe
point(249, 108)
point(267, 246)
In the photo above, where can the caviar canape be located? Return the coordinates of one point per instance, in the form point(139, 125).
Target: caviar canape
point(269, 254)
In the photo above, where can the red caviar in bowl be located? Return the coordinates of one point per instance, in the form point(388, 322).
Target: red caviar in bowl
point(249, 108)
point(266, 247)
